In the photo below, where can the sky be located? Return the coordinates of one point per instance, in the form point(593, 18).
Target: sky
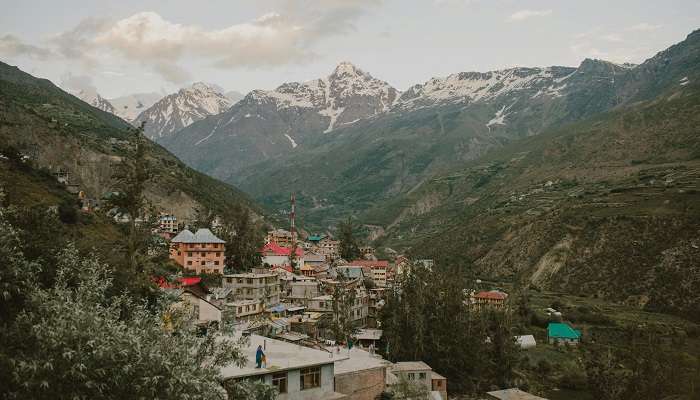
point(128, 46)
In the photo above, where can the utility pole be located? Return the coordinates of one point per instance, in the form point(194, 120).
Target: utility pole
point(293, 230)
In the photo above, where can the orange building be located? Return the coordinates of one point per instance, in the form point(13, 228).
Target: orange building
point(200, 252)
point(493, 299)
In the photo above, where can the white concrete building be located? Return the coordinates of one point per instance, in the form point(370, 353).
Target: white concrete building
point(298, 372)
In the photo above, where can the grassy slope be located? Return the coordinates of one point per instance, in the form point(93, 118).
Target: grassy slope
point(619, 218)
point(59, 130)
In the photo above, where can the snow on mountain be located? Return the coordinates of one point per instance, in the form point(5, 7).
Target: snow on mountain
point(93, 98)
point(178, 110)
point(268, 123)
point(130, 106)
point(470, 87)
point(345, 96)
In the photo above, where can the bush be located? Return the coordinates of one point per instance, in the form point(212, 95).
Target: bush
point(67, 213)
point(574, 380)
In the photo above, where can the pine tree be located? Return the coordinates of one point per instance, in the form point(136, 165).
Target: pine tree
point(349, 249)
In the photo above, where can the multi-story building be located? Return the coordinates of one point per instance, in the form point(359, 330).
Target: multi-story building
point(358, 310)
point(279, 236)
point(300, 292)
point(243, 310)
point(167, 225)
point(376, 302)
point(379, 270)
point(264, 288)
point(329, 248)
point(493, 299)
point(199, 252)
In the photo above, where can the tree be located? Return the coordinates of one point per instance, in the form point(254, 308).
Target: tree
point(244, 237)
point(426, 318)
point(71, 340)
point(130, 178)
point(349, 249)
point(409, 390)
point(343, 300)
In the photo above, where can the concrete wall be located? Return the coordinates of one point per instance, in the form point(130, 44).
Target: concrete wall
point(293, 388)
point(361, 385)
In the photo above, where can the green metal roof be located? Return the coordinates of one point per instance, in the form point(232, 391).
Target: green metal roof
point(559, 330)
point(315, 238)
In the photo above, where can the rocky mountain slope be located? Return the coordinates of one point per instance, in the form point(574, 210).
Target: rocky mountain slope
point(267, 124)
point(130, 106)
point(178, 110)
point(58, 131)
point(439, 125)
point(608, 207)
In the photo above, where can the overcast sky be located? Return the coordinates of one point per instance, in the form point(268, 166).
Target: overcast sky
point(130, 46)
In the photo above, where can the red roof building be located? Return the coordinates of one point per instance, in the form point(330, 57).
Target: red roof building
point(273, 249)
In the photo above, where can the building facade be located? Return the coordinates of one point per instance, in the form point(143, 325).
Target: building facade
point(199, 252)
point(264, 288)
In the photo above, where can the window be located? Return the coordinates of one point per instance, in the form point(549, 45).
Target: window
point(189, 262)
point(279, 380)
point(310, 378)
point(411, 376)
point(189, 254)
point(216, 263)
point(201, 262)
point(421, 375)
point(203, 254)
point(229, 280)
point(218, 254)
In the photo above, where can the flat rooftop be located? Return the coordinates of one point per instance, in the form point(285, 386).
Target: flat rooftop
point(355, 360)
point(250, 275)
point(513, 394)
point(411, 366)
point(280, 356)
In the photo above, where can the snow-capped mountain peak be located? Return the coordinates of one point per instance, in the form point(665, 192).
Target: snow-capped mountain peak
point(347, 69)
point(180, 109)
point(94, 99)
point(347, 95)
point(469, 87)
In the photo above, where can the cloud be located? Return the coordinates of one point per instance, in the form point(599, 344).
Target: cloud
point(148, 39)
point(612, 37)
point(643, 27)
point(78, 84)
point(12, 46)
point(527, 14)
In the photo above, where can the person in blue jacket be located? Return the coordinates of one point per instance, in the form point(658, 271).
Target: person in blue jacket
point(259, 356)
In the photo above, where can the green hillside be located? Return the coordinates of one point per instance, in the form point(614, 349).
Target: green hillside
point(57, 131)
point(374, 163)
point(608, 207)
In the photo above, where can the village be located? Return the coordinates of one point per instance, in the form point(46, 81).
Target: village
point(312, 318)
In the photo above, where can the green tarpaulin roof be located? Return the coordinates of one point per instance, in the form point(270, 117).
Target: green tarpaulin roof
point(559, 330)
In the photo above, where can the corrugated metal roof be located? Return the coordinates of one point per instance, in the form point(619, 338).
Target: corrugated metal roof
point(202, 236)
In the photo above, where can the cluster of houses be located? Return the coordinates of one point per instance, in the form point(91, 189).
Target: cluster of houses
point(286, 305)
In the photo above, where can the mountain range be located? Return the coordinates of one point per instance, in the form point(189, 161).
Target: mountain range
point(178, 110)
point(268, 124)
